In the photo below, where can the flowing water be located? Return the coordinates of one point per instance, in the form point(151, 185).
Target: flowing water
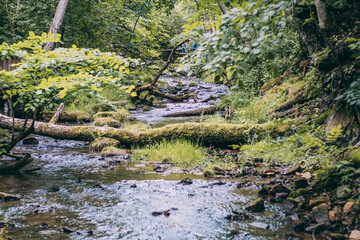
point(115, 199)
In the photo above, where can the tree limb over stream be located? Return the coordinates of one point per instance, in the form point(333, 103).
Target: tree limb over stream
point(219, 135)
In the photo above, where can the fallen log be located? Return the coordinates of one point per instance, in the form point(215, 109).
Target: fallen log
point(219, 135)
point(14, 165)
point(197, 112)
point(69, 116)
point(175, 98)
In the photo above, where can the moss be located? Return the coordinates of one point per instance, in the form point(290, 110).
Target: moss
point(299, 192)
point(146, 108)
point(121, 115)
point(271, 83)
point(291, 200)
point(192, 84)
point(107, 121)
point(136, 125)
point(113, 151)
point(100, 143)
point(208, 172)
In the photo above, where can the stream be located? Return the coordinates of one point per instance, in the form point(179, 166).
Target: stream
point(113, 198)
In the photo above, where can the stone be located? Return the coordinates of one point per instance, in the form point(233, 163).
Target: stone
point(256, 206)
point(30, 141)
point(319, 200)
point(307, 175)
point(236, 216)
point(259, 225)
point(335, 215)
point(114, 151)
point(279, 188)
point(343, 192)
point(299, 192)
point(8, 197)
point(338, 236)
point(320, 214)
point(348, 206)
point(300, 183)
point(355, 235)
point(54, 188)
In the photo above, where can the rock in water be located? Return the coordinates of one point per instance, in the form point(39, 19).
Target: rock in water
point(256, 206)
point(30, 141)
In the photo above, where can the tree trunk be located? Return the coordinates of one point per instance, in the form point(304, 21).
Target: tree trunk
point(222, 7)
point(321, 13)
point(219, 135)
point(57, 22)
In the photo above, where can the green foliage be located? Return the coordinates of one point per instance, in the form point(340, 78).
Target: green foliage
point(307, 146)
point(252, 35)
point(43, 76)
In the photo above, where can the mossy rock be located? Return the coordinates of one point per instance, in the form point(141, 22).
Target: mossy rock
point(107, 121)
point(299, 192)
point(256, 206)
point(146, 108)
point(355, 157)
point(192, 84)
point(100, 143)
point(209, 172)
point(160, 106)
point(113, 151)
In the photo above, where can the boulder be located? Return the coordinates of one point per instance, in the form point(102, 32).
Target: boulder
point(107, 121)
point(114, 151)
point(256, 206)
point(320, 214)
point(279, 188)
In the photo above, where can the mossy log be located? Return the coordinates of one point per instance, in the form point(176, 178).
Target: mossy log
point(297, 99)
point(75, 116)
point(197, 112)
point(221, 135)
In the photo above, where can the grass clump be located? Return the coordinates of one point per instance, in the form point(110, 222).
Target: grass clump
point(177, 152)
point(136, 125)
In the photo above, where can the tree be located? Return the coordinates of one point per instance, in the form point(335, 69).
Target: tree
point(57, 22)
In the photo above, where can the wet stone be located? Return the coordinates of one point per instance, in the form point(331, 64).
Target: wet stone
point(30, 141)
point(256, 206)
point(237, 216)
point(44, 226)
point(133, 186)
point(54, 188)
point(335, 215)
point(186, 181)
point(348, 207)
point(279, 188)
point(259, 225)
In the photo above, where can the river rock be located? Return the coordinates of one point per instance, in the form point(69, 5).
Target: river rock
point(114, 151)
point(256, 206)
point(320, 214)
point(348, 206)
point(319, 200)
point(279, 188)
point(335, 215)
point(300, 183)
point(343, 192)
point(355, 235)
point(8, 197)
point(259, 225)
point(236, 216)
point(30, 141)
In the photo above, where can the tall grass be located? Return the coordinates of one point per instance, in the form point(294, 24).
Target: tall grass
point(177, 152)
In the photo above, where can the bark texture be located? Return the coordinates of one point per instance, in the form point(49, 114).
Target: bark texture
point(221, 135)
point(57, 22)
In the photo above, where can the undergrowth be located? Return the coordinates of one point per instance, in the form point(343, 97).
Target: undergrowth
point(177, 152)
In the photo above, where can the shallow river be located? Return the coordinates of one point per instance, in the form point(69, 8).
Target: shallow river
point(115, 199)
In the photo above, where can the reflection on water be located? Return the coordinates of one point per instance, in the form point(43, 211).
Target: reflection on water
point(117, 202)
